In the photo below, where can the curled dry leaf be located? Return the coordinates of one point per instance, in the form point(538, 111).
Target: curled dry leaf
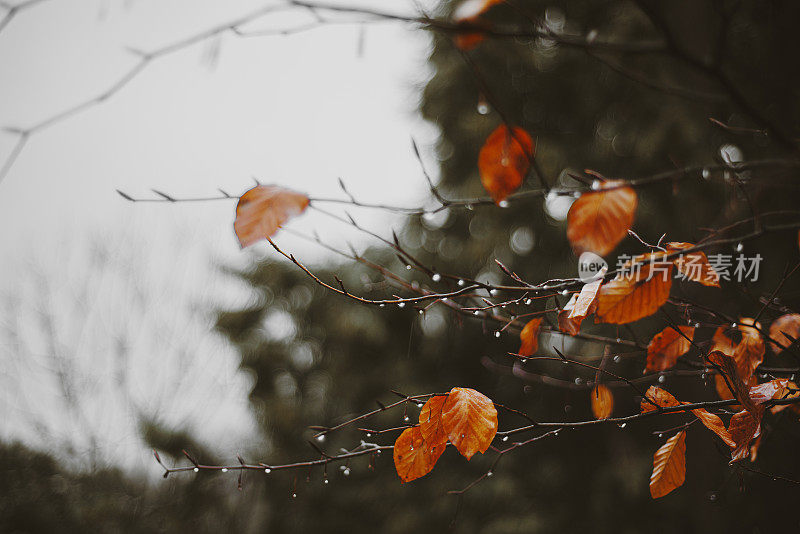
point(784, 330)
point(694, 265)
point(778, 389)
point(529, 337)
point(263, 209)
point(665, 400)
point(580, 306)
point(599, 220)
point(602, 402)
point(669, 466)
point(430, 421)
point(470, 420)
point(638, 291)
point(505, 160)
point(722, 342)
point(413, 457)
point(667, 346)
point(743, 428)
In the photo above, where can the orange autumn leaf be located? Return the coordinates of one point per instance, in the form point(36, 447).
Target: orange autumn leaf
point(667, 400)
point(784, 330)
point(602, 402)
point(722, 342)
point(470, 420)
point(637, 292)
point(714, 424)
point(669, 466)
point(469, 13)
point(658, 396)
point(430, 421)
point(599, 220)
point(504, 161)
point(743, 428)
point(749, 352)
point(694, 265)
point(529, 337)
point(263, 209)
point(727, 365)
point(413, 457)
point(667, 346)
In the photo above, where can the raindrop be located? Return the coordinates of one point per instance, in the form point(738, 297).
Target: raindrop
point(369, 434)
point(476, 312)
point(662, 379)
point(739, 247)
point(401, 305)
point(460, 282)
point(706, 174)
point(712, 497)
point(528, 302)
point(483, 107)
point(497, 334)
point(268, 470)
point(321, 438)
point(619, 340)
point(489, 473)
point(493, 292)
point(595, 185)
point(224, 470)
point(505, 438)
point(660, 435)
point(697, 325)
point(422, 312)
point(436, 277)
point(469, 207)
point(503, 203)
point(346, 472)
point(733, 325)
point(381, 305)
point(294, 495)
point(324, 480)
point(623, 425)
point(196, 470)
point(408, 267)
point(617, 358)
point(577, 379)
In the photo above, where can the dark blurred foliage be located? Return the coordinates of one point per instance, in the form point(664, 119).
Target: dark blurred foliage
point(318, 358)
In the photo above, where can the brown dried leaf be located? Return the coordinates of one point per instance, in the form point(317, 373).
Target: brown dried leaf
point(637, 292)
point(669, 466)
point(743, 428)
point(566, 323)
point(505, 160)
point(599, 220)
point(602, 402)
point(470, 420)
point(413, 457)
point(263, 209)
point(667, 400)
point(694, 265)
point(667, 346)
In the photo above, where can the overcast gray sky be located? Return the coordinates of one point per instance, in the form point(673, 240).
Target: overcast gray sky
point(299, 110)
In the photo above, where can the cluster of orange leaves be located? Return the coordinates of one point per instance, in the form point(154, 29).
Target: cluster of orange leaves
point(735, 362)
point(464, 417)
